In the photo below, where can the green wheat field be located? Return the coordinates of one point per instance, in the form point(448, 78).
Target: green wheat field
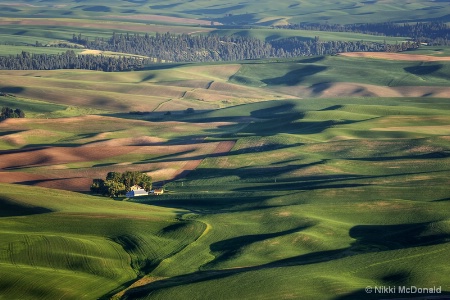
point(305, 178)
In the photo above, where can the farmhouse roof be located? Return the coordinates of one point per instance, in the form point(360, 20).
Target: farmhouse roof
point(135, 188)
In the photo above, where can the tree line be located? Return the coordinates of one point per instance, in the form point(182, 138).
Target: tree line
point(432, 33)
point(187, 48)
point(69, 60)
point(8, 112)
point(116, 183)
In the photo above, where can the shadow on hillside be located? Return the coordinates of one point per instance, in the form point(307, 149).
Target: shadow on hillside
point(319, 88)
point(165, 6)
point(227, 249)
point(311, 60)
point(442, 200)
point(259, 174)
point(97, 8)
point(280, 118)
point(162, 66)
point(111, 103)
point(326, 181)
point(215, 11)
point(235, 21)
point(128, 242)
point(163, 116)
point(431, 155)
point(295, 77)
point(3, 133)
point(11, 209)
point(423, 69)
point(12, 89)
point(369, 239)
point(175, 157)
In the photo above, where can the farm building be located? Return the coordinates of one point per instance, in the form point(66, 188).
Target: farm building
point(159, 191)
point(136, 193)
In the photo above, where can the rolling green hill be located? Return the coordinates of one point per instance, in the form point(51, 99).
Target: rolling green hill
point(60, 244)
point(175, 87)
point(250, 12)
point(317, 199)
point(306, 178)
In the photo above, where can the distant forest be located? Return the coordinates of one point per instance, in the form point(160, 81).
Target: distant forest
point(203, 48)
point(208, 48)
point(432, 33)
point(70, 60)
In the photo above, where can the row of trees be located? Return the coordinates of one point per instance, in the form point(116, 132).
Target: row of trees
point(8, 112)
point(433, 33)
point(184, 47)
point(296, 46)
point(69, 60)
point(117, 183)
point(188, 48)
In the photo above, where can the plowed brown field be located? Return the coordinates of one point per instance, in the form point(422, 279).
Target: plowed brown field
point(396, 56)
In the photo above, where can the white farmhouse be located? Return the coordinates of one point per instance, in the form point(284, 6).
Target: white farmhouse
point(136, 191)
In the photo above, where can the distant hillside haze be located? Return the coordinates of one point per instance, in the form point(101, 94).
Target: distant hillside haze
point(262, 12)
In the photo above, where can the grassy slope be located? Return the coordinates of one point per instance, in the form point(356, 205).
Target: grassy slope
point(312, 193)
point(60, 244)
point(176, 87)
point(275, 34)
point(312, 190)
point(338, 69)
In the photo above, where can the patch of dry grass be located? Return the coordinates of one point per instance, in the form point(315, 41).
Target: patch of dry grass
point(396, 56)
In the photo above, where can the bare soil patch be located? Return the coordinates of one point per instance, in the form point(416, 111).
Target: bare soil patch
point(133, 141)
point(59, 155)
point(224, 147)
point(181, 159)
point(20, 177)
point(78, 184)
point(98, 152)
point(396, 56)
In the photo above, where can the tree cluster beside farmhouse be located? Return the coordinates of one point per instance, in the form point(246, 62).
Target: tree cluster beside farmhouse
point(117, 183)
